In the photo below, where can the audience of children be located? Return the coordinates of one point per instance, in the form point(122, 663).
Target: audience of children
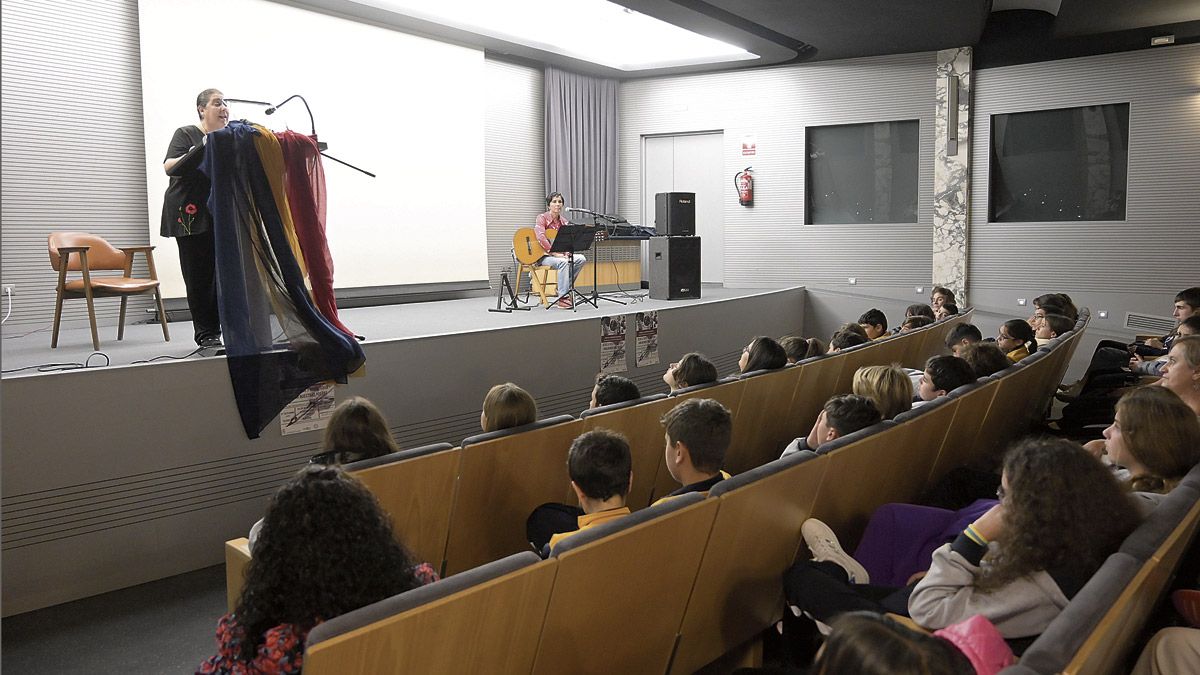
point(763, 353)
point(612, 389)
point(692, 370)
point(507, 406)
point(325, 548)
point(697, 434)
point(840, 416)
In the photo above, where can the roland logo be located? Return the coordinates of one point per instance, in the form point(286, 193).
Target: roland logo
point(685, 201)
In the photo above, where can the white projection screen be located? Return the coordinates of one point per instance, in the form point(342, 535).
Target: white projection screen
point(403, 107)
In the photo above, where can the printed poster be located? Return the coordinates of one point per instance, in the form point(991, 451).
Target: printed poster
point(647, 339)
point(612, 344)
point(309, 411)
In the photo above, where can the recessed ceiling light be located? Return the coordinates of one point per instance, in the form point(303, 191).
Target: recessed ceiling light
point(597, 31)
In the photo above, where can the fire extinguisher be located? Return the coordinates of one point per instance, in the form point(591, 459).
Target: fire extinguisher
point(744, 182)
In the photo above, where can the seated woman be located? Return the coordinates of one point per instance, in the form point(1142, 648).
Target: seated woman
point(507, 406)
point(1155, 437)
point(691, 370)
point(1061, 513)
point(1181, 371)
point(1017, 339)
point(888, 386)
point(763, 353)
point(326, 548)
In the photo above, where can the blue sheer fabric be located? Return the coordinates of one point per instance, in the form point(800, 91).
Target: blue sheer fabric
point(277, 344)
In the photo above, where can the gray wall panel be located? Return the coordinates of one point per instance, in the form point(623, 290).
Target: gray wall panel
point(73, 146)
point(513, 142)
point(1135, 265)
point(768, 243)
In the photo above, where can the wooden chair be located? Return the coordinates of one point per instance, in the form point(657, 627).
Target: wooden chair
point(526, 252)
point(502, 478)
point(737, 594)
point(621, 590)
point(237, 557)
point(414, 488)
point(93, 253)
point(486, 620)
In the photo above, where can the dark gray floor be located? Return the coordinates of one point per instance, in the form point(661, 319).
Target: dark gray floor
point(165, 626)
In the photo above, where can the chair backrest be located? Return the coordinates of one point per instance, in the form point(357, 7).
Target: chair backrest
point(762, 427)
point(737, 595)
point(1011, 412)
point(640, 426)
point(414, 487)
point(818, 379)
point(1105, 649)
point(101, 254)
point(959, 444)
point(600, 410)
point(1144, 542)
point(237, 557)
point(501, 479)
point(617, 604)
point(728, 394)
point(487, 619)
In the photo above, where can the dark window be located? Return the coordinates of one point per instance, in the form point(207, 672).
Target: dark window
point(862, 173)
point(1064, 164)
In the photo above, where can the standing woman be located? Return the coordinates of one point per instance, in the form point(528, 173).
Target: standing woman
point(185, 214)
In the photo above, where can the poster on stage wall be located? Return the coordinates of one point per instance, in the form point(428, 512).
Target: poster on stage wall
point(612, 344)
point(309, 411)
point(647, 339)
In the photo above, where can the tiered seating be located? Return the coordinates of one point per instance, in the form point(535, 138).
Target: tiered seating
point(729, 595)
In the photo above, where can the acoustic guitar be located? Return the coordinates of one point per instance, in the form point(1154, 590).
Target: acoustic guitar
point(526, 246)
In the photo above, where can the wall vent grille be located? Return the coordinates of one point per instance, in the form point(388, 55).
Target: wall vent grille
point(1149, 324)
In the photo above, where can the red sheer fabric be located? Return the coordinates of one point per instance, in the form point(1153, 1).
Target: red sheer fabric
point(304, 181)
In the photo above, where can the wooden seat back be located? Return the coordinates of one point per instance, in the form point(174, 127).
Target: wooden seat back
point(416, 493)
point(500, 482)
point(237, 558)
point(474, 623)
point(621, 590)
point(762, 427)
point(641, 427)
point(736, 595)
point(817, 383)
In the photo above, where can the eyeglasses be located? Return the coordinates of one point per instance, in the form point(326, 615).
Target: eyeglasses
point(218, 103)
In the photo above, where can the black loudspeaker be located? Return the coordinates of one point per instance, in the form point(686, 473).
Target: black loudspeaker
point(674, 267)
point(675, 214)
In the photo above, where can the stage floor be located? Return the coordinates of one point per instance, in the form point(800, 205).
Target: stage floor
point(25, 348)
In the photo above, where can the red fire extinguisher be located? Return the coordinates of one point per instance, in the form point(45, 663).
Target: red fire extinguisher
point(744, 182)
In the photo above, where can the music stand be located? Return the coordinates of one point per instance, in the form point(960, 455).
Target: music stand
point(571, 238)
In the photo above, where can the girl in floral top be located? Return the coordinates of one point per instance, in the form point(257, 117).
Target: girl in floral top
point(326, 548)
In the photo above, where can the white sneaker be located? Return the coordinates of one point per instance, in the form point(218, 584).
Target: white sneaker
point(825, 546)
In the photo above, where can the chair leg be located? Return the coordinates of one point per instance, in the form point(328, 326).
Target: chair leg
point(162, 314)
point(87, 288)
point(121, 322)
point(57, 316)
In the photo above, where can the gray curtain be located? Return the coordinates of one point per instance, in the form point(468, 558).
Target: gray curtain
point(581, 140)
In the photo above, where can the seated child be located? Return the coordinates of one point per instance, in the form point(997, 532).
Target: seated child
point(763, 353)
point(600, 467)
point(846, 339)
point(947, 309)
point(507, 406)
point(1051, 327)
point(888, 387)
point(867, 643)
point(943, 374)
point(841, 415)
point(612, 389)
point(698, 432)
point(960, 335)
point(874, 323)
point(795, 348)
point(914, 322)
point(1017, 339)
point(691, 370)
point(985, 358)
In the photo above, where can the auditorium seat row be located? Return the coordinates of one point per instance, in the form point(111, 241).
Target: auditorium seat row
point(672, 587)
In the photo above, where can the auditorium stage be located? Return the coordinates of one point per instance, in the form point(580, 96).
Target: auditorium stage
point(25, 347)
point(119, 475)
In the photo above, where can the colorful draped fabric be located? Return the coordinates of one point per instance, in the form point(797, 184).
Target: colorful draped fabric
point(277, 343)
point(305, 180)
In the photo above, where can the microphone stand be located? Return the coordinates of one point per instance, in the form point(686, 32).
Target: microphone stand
point(321, 147)
point(596, 296)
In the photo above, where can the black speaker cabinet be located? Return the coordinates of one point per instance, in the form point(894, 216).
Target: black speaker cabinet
point(675, 213)
point(674, 267)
